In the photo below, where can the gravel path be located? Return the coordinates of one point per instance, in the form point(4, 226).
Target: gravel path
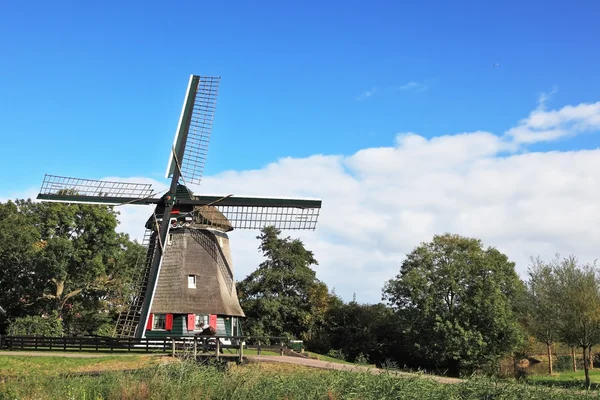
point(309, 362)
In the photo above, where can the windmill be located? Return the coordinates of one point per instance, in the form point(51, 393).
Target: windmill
point(186, 277)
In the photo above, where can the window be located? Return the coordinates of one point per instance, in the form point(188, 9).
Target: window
point(191, 281)
point(159, 321)
point(200, 322)
point(170, 239)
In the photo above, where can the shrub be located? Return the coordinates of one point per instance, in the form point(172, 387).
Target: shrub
point(336, 353)
point(565, 364)
point(36, 325)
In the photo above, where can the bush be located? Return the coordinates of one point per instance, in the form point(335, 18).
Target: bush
point(565, 364)
point(361, 359)
point(36, 325)
point(336, 353)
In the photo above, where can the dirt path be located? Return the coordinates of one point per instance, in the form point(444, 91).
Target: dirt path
point(309, 362)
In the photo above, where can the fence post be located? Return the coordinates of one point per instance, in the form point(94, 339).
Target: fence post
point(258, 350)
point(241, 351)
point(218, 348)
point(173, 346)
point(195, 347)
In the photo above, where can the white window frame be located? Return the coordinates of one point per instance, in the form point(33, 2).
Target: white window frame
point(192, 284)
point(203, 319)
point(158, 320)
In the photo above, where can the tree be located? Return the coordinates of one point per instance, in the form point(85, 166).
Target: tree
point(370, 330)
point(283, 296)
point(544, 308)
point(67, 259)
point(455, 299)
point(18, 252)
point(578, 293)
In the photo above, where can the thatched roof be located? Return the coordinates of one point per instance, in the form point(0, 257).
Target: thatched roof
point(211, 216)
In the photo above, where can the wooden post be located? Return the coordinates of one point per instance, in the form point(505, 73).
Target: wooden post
point(241, 351)
point(173, 346)
point(218, 348)
point(195, 347)
point(258, 350)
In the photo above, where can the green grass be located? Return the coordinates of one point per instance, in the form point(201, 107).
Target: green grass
point(264, 381)
point(567, 379)
point(325, 358)
point(18, 366)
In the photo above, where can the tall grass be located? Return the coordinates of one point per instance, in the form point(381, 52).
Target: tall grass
point(264, 382)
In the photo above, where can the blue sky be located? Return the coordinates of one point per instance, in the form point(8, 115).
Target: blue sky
point(95, 90)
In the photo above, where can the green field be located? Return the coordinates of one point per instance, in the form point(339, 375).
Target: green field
point(567, 379)
point(170, 378)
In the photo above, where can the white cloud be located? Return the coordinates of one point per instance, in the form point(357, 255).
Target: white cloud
point(410, 86)
point(543, 126)
point(368, 93)
point(379, 203)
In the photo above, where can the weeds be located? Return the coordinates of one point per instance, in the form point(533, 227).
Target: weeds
point(187, 380)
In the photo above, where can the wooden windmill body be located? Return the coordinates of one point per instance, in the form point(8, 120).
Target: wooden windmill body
point(186, 279)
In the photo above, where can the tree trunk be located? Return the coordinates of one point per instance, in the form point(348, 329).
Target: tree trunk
point(574, 359)
point(549, 349)
point(586, 368)
point(591, 357)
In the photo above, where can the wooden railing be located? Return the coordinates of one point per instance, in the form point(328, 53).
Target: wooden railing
point(194, 345)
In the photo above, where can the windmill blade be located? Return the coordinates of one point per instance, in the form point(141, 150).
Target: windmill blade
point(193, 131)
point(77, 190)
point(255, 212)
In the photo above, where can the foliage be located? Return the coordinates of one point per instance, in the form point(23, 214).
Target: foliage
point(337, 354)
point(64, 258)
point(454, 297)
point(543, 309)
point(36, 325)
point(267, 381)
point(368, 329)
point(283, 296)
point(578, 293)
point(565, 364)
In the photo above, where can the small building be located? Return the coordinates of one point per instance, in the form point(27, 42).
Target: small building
point(196, 286)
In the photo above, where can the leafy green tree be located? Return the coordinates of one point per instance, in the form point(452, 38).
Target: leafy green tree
point(64, 258)
point(455, 299)
point(370, 330)
point(578, 293)
point(283, 296)
point(544, 306)
point(19, 246)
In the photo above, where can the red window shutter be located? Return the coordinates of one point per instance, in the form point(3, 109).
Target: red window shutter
point(169, 322)
point(212, 321)
point(191, 322)
point(149, 324)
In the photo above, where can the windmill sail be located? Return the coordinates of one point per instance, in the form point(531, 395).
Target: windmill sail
point(194, 128)
point(255, 212)
point(77, 190)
